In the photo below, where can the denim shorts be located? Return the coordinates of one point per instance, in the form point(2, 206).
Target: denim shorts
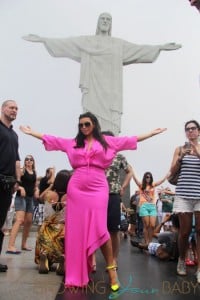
point(24, 204)
point(185, 205)
point(148, 209)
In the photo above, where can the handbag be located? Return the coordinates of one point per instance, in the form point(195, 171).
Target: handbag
point(173, 178)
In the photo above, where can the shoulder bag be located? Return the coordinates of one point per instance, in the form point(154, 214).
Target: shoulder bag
point(173, 178)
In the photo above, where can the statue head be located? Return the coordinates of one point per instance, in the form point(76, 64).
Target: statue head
point(104, 24)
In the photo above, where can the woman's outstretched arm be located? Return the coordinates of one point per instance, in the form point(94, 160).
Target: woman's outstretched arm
point(137, 181)
point(29, 131)
point(145, 136)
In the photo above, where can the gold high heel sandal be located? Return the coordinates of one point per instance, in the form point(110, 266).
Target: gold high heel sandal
point(114, 287)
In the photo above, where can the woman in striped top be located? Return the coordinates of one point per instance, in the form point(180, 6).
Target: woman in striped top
point(187, 193)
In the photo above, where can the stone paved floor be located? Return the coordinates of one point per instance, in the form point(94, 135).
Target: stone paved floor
point(142, 277)
point(22, 280)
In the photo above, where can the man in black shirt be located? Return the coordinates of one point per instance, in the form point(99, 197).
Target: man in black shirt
point(9, 162)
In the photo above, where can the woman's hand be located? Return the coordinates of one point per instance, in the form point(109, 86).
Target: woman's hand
point(170, 46)
point(195, 149)
point(158, 131)
point(184, 151)
point(26, 129)
point(22, 191)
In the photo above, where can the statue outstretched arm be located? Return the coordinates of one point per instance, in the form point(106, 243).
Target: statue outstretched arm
point(134, 53)
point(170, 46)
point(33, 38)
point(60, 47)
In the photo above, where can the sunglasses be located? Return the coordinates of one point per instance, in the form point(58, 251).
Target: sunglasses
point(86, 124)
point(190, 128)
point(148, 176)
point(28, 159)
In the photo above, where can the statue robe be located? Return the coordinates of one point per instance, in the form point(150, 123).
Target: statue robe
point(102, 59)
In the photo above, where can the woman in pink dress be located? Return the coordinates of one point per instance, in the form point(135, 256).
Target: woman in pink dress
point(89, 153)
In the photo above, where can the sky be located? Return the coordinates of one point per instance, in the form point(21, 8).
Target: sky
point(165, 93)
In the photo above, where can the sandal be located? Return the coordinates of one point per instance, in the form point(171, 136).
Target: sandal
point(26, 249)
point(189, 262)
point(114, 287)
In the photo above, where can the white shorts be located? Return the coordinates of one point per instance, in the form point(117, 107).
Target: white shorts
point(185, 205)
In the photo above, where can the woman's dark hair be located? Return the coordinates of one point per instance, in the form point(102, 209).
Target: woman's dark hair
point(192, 121)
point(80, 138)
point(61, 181)
point(144, 182)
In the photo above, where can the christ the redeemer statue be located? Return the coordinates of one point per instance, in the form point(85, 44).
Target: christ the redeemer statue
point(102, 58)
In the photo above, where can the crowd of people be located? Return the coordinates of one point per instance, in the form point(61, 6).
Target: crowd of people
point(184, 203)
point(96, 175)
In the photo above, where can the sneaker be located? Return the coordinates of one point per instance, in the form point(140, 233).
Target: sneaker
point(139, 245)
point(198, 275)
point(181, 268)
point(6, 233)
point(134, 243)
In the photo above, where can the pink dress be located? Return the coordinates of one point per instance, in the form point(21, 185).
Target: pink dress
point(86, 213)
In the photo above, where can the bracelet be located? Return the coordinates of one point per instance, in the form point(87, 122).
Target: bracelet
point(19, 182)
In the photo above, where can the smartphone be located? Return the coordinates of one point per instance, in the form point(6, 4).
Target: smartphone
point(187, 146)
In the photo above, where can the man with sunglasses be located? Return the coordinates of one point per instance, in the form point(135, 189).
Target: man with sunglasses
point(9, 163)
